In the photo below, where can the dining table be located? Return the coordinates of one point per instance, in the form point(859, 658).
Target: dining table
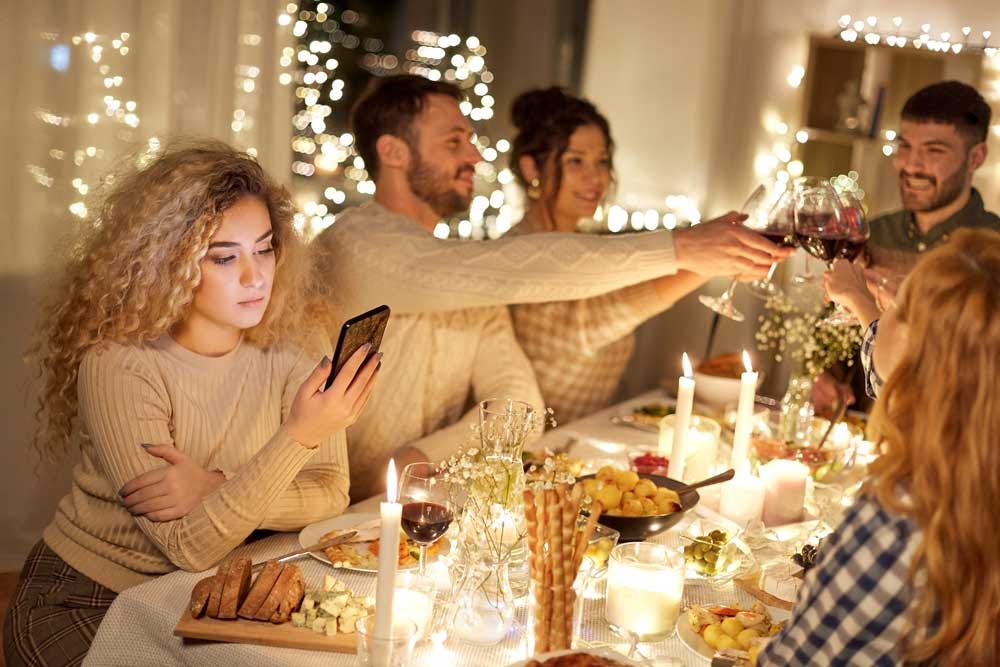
point(139, 626)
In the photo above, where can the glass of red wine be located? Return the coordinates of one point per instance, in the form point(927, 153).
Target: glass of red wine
point(858, 232)
point(427, 507)
point(778, 226)
point(827, 229)
point(757, 208)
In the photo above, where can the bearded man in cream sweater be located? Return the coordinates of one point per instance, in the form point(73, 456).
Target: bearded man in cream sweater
point(450, 342)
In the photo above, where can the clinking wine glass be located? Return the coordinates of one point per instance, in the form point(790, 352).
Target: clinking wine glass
point(778, 227)
point(858, 232)
point(427, 507)
point(757, 206)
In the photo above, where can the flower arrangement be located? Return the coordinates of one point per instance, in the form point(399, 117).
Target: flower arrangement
point(805, 337)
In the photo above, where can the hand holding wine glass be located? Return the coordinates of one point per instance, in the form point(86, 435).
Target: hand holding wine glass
point(427, 507)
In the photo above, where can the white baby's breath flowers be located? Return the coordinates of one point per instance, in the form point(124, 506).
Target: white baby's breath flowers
point(805, 337)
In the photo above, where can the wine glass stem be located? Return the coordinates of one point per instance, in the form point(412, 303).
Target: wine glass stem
point(728, 296)
point(770, 272)
point(422, 568)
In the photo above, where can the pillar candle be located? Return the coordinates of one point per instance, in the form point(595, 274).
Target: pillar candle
point(682, 417)
point(785, 491)
point(388, 556)
point(744, 418)
point(742, 499)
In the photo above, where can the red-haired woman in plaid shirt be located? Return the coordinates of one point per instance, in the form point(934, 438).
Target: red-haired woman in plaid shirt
point(910, 576)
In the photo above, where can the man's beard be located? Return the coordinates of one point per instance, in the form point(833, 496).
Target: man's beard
point(434, 188)
point(950, 190)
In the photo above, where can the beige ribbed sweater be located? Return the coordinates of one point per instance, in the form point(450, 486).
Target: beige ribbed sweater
point(226, 413)
point(437, 365)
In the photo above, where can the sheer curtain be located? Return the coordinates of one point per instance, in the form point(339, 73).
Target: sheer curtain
point(82, 82)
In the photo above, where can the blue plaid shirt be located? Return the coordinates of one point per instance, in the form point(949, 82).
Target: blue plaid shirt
point(873, 383)
point(851, 609)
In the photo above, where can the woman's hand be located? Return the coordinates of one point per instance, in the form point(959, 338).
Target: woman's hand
point(845, 284)
point(169, 493)
point(317, 414)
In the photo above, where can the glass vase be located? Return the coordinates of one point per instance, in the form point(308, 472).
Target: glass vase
point(797, 410)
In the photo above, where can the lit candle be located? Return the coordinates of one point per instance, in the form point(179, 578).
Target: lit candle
point(700, 446)
point(742, 499)
point(744, 418)
point(785, 491)
point(413, 601)
point(645, 587)
point(682, 417)
point(388, 556)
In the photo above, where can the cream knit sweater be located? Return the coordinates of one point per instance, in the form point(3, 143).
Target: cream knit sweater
point(226, 413)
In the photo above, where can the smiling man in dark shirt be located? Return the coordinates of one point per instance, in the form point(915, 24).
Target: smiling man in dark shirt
point(941, 143)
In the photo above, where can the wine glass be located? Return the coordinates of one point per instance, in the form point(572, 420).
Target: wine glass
point(756, 208)
point(858, 232)
point(778, 227)
point(427, 507)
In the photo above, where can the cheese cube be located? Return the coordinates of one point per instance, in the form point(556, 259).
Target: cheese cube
point(319, 625)
point(298, 619)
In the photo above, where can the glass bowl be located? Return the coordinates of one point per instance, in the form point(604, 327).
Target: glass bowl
point(602, 541)
point(714, 551)
point(836, 455)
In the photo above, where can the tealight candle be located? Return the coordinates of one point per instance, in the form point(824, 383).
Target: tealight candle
point(645, 586)
point(413, 601)
point(784, 491)
point(388, 555)
point(682, 417)
point(744, 418)
point(742, 499)
point(701, 446)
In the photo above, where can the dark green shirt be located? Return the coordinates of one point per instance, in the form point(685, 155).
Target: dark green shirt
point(899, 230)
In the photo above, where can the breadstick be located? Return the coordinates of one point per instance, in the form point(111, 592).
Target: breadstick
point(558, 631)
point(544, 580)
point(568, 549)
point(535, 547)
point(584, 537)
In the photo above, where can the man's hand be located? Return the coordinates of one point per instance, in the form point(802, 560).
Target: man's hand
point(828, 393)
point(724, 247)
point(169, 493)
point(845, 284)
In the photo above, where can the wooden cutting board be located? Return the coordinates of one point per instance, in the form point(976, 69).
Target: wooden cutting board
point(749, 584)
point(242, 631)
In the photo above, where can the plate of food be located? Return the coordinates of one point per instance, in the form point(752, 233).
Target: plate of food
point(591, 657)
point(644, 417)
point(637, 505)
point(706, 630)
point(361, 553)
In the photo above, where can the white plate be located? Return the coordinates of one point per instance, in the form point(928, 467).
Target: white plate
point(314, 532)
point(699, 646)
point(599, 652)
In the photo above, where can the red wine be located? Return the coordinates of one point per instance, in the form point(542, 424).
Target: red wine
point(425, 522)
point(851, 248)
point(821, 247)
point(780, 239)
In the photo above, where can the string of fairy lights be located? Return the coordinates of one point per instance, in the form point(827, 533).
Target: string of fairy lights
point(324, 148)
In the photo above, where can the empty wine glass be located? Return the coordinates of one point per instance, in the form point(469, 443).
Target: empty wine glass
point(757, 207)
point(427, 510)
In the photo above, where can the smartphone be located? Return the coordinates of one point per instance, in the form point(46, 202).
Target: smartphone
point(364, 328)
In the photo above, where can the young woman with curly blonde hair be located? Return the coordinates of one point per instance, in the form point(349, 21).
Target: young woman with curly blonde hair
point(179, 354)
point(910, 576)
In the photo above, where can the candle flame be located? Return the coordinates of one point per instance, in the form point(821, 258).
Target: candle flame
point(687, 365)
point(746, 362)
point(390, 483)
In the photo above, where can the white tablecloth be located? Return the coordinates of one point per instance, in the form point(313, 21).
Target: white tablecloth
point(138, 629)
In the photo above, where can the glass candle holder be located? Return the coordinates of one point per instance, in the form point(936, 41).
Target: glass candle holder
point(701, 446)
point(393, 651)
point(645, 586)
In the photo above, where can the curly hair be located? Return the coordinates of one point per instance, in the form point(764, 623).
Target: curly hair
point(133, 270)
point(937, 420)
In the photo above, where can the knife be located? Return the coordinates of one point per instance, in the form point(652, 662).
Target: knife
point(319, 546)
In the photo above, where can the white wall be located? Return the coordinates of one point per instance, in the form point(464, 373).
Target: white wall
point(688, 87)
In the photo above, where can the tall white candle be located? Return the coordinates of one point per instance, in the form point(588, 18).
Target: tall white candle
point(785, 491)
point(388, 556)
point(742, 499)
point(682, 417)
point(744, 418)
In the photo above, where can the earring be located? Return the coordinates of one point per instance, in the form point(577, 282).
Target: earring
point(534, 189)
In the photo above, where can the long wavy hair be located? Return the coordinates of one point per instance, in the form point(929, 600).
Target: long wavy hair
point(133, 269)
point(938, 422)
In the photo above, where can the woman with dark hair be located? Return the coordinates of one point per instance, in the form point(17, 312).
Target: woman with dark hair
point(562, 156)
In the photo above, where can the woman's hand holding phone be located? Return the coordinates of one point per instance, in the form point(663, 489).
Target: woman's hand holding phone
point(317, 414)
